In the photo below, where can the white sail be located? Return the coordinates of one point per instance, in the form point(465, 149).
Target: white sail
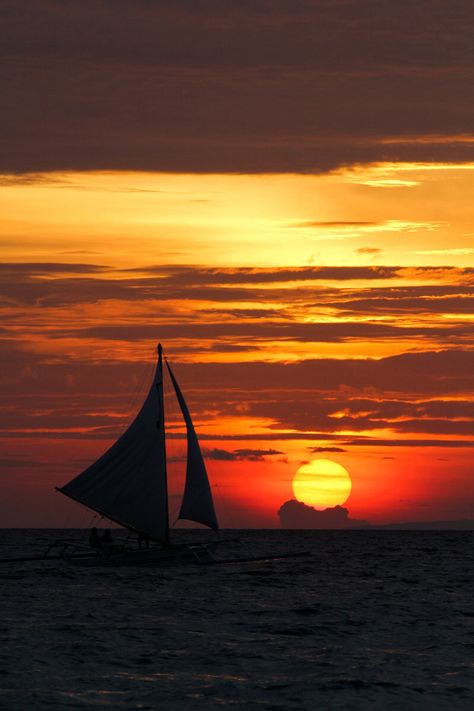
point(197, 504)
point(128, 483)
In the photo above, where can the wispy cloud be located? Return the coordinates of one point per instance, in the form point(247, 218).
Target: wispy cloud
point(320, 450)
point(336, 225)
point(251, 455)
point(448, 251)
point(368, 250)
point(369, 227)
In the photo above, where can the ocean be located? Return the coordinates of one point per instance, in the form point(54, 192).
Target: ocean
point(369, 620)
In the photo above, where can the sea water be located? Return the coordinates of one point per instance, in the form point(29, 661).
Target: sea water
point(370, 619)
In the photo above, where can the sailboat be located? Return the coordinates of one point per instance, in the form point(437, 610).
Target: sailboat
point(128, 485)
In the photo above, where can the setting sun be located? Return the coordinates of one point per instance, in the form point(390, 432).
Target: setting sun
point(322, 483)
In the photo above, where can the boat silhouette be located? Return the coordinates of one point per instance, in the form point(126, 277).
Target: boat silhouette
point(128, 485)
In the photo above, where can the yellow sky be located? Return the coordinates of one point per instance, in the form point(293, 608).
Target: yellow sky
point(403, 214)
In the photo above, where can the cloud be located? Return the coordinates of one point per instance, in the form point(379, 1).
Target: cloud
point(220, 455)
point(23, 462)
point(317, 450)
point(49, 268)
point(400, 442)
point(295, 514)
point(459, 303)
point(256, 455)
point(420, 397)
point(463, 251)
point(250, 332)
point(350, 229)
point(252, 275)
point(25, 179)
point(333, 225)
point(303, 332)
point(307, 86)
point(368, 250)
point(74, 332)
point(23, 282)
point(251, 455)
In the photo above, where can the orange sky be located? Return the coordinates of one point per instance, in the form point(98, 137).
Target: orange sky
point(282, 198)
point(308, 316)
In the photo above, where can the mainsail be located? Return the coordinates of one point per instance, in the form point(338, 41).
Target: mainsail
point(128, 484)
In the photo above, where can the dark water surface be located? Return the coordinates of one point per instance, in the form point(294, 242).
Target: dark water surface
point(372, 619)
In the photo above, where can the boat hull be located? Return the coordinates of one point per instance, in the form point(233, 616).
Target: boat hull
point(169, 556)
point(155, 557)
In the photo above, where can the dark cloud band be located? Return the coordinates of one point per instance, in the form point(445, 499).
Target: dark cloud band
point(229, 87)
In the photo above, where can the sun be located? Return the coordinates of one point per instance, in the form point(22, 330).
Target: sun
point(322, 484)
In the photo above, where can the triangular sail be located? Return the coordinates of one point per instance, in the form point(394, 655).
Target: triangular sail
point(128, 483)
point(197, 504)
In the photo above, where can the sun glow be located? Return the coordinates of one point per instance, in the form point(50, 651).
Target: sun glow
point(322, 483)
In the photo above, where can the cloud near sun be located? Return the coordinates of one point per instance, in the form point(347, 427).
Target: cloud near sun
point(284, 199)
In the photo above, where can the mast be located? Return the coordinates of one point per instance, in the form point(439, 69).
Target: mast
point(161, 430)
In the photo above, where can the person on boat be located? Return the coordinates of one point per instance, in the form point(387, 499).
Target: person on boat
point(106, 542)
point(143, 539)
point(94, 539)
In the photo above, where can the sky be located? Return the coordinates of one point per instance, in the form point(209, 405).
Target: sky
point(280, 193)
